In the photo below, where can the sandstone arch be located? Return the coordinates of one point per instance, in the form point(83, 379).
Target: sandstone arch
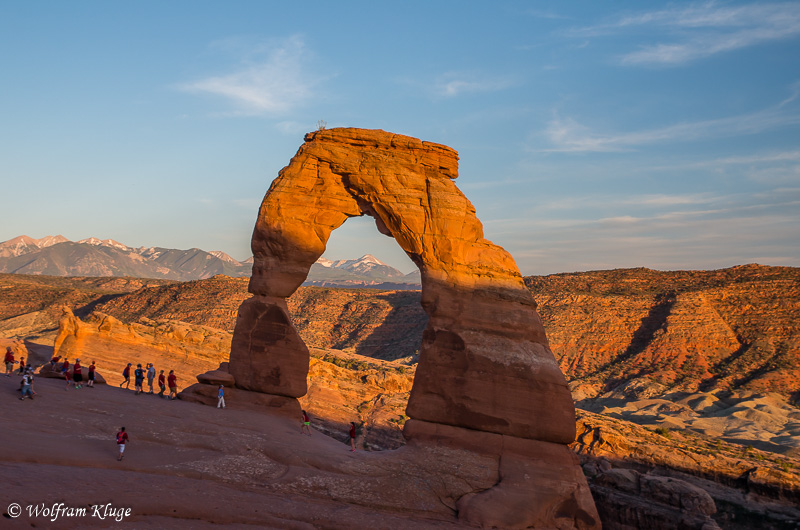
point(485, 363)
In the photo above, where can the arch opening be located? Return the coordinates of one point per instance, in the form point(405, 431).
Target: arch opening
point(363, 332)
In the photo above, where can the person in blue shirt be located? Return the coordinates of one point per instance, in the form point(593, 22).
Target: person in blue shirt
point(221, 398)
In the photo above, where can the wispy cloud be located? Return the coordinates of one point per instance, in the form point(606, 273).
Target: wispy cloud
point(271, 80)
point(453, 84)
point(568, 135)
point(701, 30)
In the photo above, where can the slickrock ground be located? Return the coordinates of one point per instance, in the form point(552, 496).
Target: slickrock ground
point(193, 466)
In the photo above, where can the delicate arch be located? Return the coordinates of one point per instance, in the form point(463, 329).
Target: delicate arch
point(484, 363)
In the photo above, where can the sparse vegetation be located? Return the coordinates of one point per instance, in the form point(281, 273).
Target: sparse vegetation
point(663, 431)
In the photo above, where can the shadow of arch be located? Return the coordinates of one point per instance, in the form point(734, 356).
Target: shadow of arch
point(485, 363)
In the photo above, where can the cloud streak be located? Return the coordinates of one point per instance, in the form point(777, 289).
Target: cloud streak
point(702, 30)
point(568, 135)
point(273, 85)
point(453, 84)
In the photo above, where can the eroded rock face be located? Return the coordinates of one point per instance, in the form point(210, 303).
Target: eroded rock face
point(485, 364)
point(169, 344)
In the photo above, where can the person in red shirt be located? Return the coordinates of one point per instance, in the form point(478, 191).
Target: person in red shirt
point(122, 439)
point(77, 374)
point(305, 423)
point(65, 371)
point(161, 384)
point(172, 381)
point(9, 360)
point(21, 365)
point(353, 436)
point(126, 373)
point(90, 384)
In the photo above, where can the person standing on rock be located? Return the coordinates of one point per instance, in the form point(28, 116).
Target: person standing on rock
point(221, 397)
point(122, 439)
point(126, 373)
point(172, 380)
point(77, 373)
point(90, 383)
point(138, 379)
point(306, 424)
point(21, 366)
point(353, 436)
point(161, 384)
point(9, 360)
point(151, 374)
point(65, 371)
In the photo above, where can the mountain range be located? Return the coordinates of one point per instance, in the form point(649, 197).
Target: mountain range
point(58, 256)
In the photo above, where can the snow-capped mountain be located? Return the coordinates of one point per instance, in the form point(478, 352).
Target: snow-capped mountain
point(103, 242)
point(224, 257)
point(24, 244)
point(366, 271)
point(58, 256)
point(367, 265)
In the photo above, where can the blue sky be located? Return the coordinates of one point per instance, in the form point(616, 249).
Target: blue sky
point(592, 135)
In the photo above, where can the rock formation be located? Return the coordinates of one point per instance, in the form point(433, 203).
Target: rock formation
point(680, 479)
point(170, 345)
point(486, 376)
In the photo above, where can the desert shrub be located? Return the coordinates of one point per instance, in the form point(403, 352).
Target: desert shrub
point(663, 431)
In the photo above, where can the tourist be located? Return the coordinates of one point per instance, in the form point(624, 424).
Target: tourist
point(138, 379)
point(90, 384)
point(21, 366)
point(9, 360)
point(151, 374)
point(126, 373)
point(27, 385)
point(221, 397)
point(161, 384)
point(65, 372)
point(29, 370)
point(54, 361)
point(122, 439)
point(172, 381)
point(353, 436)
point(306, 424)
point(77, 374)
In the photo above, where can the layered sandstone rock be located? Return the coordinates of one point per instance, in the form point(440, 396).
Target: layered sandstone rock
point(171, 345)
point(484, 364)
